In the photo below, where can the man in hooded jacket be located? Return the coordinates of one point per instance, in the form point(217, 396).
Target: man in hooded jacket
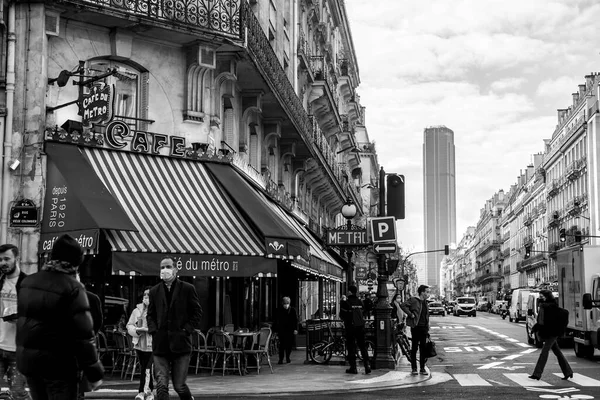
point(55, 336)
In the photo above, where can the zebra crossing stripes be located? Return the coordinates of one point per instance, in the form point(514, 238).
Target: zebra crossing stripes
point(582, 380)
point(471, 380)
point(522, 379)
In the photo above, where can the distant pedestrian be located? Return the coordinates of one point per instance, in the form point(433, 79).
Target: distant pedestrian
point(351, 312)
point(368, 305)
point(173, 314)
point(55, 336)
point(417, 313)
point(397, 312)
point(286, 326)
point(548, 330)
point(11, 278)
point(137, 328)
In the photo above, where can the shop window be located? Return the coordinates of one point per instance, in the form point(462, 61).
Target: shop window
point(131, 91)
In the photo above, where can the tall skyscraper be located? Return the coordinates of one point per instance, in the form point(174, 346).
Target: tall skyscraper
point(439, 189)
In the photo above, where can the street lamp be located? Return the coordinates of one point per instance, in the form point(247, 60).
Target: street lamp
point(349, 211)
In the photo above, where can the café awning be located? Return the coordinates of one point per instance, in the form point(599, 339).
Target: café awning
point(177, 209)
point(281, 238)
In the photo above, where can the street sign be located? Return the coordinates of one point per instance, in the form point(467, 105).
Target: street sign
point(361, 272)
point(383, 229)
point(370, 284)
point(383, 248)
point(346, 237)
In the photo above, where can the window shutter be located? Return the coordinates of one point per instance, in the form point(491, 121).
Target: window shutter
point(254, 151)
point(228, 126)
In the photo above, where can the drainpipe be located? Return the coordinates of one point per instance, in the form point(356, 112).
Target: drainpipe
point(8, 126)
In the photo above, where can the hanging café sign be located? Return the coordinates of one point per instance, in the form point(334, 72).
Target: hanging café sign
point(100, 127)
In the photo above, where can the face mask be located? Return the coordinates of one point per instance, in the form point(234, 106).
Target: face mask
point(286, 306)
point(166, 274)
point(146, 301)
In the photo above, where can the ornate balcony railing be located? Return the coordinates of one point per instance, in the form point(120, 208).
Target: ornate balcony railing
point(553, 188)
point(222, 16)
point(528, 220)
point(323, 72)
point(527, 240)
point(574, 169)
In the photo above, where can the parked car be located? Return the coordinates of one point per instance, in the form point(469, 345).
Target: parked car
point(498, 306)
point(518, 306)
point(482, 304)
point(465, 306)
point(436, 307)
point(450, 306)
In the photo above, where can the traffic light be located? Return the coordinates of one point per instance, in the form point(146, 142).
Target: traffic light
point(562, 235)
point(527, 251)
point(578, 236)
point(446, 249)
point(395, 195)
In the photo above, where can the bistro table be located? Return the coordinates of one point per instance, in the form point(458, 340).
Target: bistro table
point(240, 342)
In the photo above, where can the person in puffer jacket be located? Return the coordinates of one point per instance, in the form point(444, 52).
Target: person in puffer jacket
point(55, 336)
point(137, 328)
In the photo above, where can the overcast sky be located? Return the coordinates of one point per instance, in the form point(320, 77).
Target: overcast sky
point(494, 72)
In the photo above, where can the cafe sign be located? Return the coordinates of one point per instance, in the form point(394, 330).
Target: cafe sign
point(97, 104)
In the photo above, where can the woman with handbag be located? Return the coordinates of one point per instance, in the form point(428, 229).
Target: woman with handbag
point(137, 328)
point(417, 313)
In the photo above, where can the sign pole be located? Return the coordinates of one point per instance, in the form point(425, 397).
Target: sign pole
point(383, 311)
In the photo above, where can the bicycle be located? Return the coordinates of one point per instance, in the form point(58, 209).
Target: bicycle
point(401, 345)
point(321, 352)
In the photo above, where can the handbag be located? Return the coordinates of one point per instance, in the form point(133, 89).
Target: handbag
point(430, 350)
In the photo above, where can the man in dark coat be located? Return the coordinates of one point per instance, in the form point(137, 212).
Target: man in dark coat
point(286, 326)
point(351, 312)
point(417, 312)
point(173, 314)
point(55, 336)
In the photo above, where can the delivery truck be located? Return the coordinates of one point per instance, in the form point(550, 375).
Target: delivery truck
point(578, 270)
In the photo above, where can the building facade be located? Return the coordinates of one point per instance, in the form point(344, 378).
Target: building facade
point(439, 197)
point(222, 138)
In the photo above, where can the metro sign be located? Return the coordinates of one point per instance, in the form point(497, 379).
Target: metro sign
point(346, 237)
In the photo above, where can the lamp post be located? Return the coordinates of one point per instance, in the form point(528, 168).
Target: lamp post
point(349, 211)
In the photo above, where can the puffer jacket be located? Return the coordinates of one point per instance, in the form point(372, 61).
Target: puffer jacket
point(141, 341)
point(55, 336)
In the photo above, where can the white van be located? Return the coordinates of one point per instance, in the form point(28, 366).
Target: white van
point(518, 305)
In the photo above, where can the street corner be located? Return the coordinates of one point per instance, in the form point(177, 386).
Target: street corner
point(397, 379)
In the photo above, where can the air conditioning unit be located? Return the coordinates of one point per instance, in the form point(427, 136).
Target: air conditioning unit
point(52, 23)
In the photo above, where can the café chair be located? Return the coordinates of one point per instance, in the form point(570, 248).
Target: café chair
point(204, 355)
point(225, 351)
point(260, 350)
point(229, 328)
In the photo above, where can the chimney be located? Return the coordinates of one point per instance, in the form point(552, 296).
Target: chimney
point(575, 98)
point(589, 80)
point(561, 114)
point(582, 90)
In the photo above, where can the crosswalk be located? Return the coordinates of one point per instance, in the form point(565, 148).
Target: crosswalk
point(522, 379)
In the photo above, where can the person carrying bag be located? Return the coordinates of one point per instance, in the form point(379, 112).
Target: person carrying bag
point(417, 319)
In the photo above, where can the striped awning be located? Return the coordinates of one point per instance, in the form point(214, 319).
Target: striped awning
point(321, 262)
point(175, 206)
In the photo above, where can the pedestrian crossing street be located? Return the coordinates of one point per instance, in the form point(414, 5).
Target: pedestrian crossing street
point(521, 379)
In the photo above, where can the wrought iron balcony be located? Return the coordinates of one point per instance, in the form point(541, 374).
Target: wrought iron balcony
point(527, 240)
point(527, 220)
point(533, 262)
point(304, 53)
point(490, 276)
point(489, 245)
point(553, 188)
point(575, 168)
point(213, 16)
point(554, 219)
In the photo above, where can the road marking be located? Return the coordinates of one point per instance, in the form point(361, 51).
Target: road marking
point(471, 380)
point(528, 351)
point(523, 380)
point(582, 380)
point(523, 344)
point(491, 365)
point(512, 357)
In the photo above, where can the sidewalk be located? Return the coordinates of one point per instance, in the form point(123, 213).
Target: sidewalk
point(295, 378)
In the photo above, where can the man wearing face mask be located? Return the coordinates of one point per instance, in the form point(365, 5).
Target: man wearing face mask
point(173, 314)
point(11, 277)
point(286, 326)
